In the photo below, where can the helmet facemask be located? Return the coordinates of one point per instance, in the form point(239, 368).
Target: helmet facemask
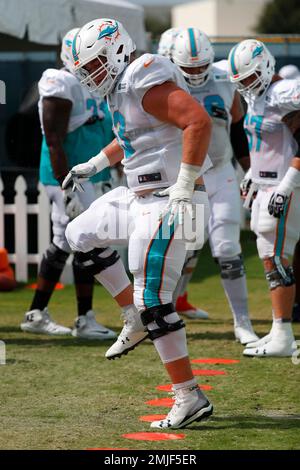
point(193, 50)
point(89, 77)
point(197, 79)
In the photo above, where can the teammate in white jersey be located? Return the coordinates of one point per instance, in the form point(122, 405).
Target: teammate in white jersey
point(209, 84)
point(183, 306)
point(292, 71)
point(75, 126)
point(273, 104)
point(166, 42)
point(162, 139)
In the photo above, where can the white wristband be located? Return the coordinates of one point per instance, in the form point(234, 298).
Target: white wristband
point(188, 173)
point(290, 180)
point(248, 174)
point(100, 161)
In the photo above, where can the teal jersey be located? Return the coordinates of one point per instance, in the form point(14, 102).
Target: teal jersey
point(80, 145)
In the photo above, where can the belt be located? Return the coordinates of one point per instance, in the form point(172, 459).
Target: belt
point(197, 187)
point(92, 120)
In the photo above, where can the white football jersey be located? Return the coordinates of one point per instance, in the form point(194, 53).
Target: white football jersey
point(152, 149)
point(271, 144)
point(62, 84)
point(216, 95)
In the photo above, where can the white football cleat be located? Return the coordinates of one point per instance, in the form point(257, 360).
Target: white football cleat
point(190, 405)
point(86, 327)
point(282, 343)
point(40, 322)
point(132, 334)
point(243, 331)
point(183, 307)
point(261, 342)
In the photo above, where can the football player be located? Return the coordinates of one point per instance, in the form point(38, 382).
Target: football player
point(162, 139)
point(209, 84)
point(273, 107)
point(75, 124)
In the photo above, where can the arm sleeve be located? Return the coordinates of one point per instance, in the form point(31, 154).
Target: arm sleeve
point(239, 139)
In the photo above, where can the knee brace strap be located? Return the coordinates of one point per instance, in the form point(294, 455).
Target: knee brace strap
point(232, 269)
point(280, 276)
point(156, 314)
point(53, 262)
point(81, 276)
point(93, 263)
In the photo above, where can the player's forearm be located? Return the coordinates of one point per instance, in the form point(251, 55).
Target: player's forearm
point(58, 158)
point(196, 138)
point(245, 163)
point(114, 152)
point(291, 179)
point(296, 163)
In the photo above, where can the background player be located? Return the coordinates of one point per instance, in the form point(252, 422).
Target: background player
point(273, 104)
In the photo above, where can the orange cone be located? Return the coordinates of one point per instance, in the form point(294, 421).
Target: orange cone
point(7, 277)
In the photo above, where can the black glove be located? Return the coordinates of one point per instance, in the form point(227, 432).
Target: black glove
point(278, 204)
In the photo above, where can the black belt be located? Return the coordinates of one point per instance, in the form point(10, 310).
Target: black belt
point(92, 120)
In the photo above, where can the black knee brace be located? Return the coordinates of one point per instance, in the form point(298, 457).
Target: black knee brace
point(53, 263)
point(231, 269)
point(93, 263)
point(156, 314)
point(81, 276)
point(280, 276)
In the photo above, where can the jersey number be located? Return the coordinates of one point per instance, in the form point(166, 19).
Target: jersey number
point(255, 121)
point(119, 125)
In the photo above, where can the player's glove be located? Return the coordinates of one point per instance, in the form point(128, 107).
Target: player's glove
point(82, 172)
point(245, 184)
point(73, 206)
point(278, 204)
point(279, 200)
point(180, 194)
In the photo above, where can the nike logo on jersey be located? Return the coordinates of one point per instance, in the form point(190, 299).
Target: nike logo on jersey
point(149, 62)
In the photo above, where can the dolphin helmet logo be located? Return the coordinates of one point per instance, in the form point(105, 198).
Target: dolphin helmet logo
point(74, 52)
point(107, 30)
point(257, 51)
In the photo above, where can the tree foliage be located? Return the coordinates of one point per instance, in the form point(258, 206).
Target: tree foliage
point(280, 17)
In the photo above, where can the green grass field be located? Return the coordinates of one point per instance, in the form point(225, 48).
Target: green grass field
point(61, 393)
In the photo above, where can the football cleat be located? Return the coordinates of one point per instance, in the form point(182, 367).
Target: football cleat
point(86, 327)
point(183, 307)
point(261, 342)
point(132, 334)
point(243, 331)
point(282, 343)
point(40, 322)
point(190, 405)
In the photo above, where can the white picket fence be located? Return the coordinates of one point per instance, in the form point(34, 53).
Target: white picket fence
point(20, 209)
